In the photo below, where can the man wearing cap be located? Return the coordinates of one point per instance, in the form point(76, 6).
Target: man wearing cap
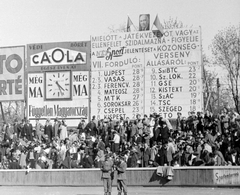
point(121, 176)
point(106, 169)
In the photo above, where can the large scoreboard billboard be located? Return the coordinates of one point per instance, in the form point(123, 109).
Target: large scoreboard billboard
point(138, 73)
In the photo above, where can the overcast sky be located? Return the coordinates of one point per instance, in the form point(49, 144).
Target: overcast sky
point(38, 21)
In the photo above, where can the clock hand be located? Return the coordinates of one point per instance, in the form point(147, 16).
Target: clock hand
point(59, 86)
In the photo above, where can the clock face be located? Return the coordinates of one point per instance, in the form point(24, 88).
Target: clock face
point(58, 85)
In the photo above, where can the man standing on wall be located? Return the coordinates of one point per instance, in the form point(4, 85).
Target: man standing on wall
point(121, 176)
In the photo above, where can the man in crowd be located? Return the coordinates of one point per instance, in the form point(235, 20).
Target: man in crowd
point(28, 129)
point(39, 130)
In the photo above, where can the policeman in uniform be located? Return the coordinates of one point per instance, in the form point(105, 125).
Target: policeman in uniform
point(106, 168)
point(121, 167)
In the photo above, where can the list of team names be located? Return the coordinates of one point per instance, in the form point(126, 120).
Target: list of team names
point(138, 73)
point(118, 93)
point(173, 89)
point(173, 80)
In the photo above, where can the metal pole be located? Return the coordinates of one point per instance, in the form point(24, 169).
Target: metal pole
point(3, 117)
point(218, 100)
point(218, 86)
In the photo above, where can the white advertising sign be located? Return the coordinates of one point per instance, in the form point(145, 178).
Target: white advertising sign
point(58, 56)
point(75, 108)
point(12, 73)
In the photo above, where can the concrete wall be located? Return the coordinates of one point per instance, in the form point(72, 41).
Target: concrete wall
point(184, 176)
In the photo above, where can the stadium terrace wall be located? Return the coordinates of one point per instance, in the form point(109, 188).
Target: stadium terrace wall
point(183, 176)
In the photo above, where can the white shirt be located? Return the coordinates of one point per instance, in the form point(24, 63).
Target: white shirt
point(116, 139)
point(234, 159)
point(151, 123)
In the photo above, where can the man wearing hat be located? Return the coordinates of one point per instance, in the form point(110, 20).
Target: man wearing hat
point(106, 169)
point(121, 176)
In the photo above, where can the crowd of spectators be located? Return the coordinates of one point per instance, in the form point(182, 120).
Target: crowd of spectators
point(148, 141)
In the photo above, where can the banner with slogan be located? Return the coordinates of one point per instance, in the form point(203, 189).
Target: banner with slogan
point(138, 73)
point(12, 66)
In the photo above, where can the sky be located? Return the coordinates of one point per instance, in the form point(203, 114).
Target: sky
point(41, 21)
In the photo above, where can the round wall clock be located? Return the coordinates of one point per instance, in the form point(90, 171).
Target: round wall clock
point(58, 85)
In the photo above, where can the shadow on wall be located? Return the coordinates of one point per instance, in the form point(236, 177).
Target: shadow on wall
point(161, 179)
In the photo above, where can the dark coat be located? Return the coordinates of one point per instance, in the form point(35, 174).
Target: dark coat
point(121, 170)
point(106, 139)
point(28, 156)
point(230, 159)
point(157, 131)
point(48, 130)
point(87, 161)
point(162, 156)
point(132, 160)
point(164, 134)
point(21, 130)
point(137, 140)
point(28, 129)
point(14, 165)
point(91, 128)
point(67, 162)
point(56, 129)
point(146, 156)
point(133, 130)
